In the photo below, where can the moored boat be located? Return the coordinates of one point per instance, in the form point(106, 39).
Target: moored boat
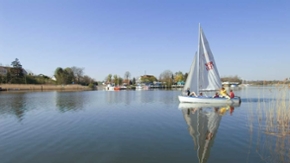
point(110, 87)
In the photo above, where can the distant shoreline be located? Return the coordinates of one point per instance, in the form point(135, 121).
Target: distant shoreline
point(34, 87)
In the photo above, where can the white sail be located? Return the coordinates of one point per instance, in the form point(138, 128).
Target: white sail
point(191, 80)
point(209, 78)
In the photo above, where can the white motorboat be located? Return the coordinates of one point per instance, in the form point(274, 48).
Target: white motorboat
point(110, 87)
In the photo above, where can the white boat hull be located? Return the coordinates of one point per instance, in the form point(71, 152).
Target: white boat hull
point(209, 100)
point(110, 87)
point(204, 105)
point(142, 87)
point(139, 87)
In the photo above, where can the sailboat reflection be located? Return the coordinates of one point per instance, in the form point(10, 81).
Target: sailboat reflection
point(203, 121)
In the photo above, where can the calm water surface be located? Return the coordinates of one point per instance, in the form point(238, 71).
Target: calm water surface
point(132, 126)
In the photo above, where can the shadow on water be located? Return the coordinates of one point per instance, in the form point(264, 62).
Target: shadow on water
point(203, 121)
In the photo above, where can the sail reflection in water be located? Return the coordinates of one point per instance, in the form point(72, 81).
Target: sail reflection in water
point(203, 121)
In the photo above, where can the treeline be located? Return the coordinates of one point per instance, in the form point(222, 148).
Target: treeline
point(167, 77)
point(70, 75)
point(75, 75)
point(267, 82)
point(231, 79)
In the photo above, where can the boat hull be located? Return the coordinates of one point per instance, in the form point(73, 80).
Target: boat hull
point(117, 88)
point(109, 88)
point(204, 105)
point(209, 100)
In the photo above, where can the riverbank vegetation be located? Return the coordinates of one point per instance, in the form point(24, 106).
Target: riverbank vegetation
point(62, 76)
point(269, 123)
point(75, 75)
point(273, 112)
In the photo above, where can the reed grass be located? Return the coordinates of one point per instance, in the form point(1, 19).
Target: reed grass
point(33, 87)
point(269, 123)
point(275, 114)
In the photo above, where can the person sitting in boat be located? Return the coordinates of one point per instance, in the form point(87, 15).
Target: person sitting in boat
point(232, 95)
point(200, 94)
point(224, 93)
point(216, 95)
point(190, 93)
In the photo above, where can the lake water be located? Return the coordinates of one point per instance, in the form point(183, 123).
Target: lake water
point(134, 126)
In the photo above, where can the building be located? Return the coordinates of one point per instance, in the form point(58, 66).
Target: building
point(3, 70)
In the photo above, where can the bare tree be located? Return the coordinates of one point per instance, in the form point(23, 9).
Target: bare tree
point(166, 76)
point(87, 80)
point(127, 76)
point(109, 78)
point(78, 73)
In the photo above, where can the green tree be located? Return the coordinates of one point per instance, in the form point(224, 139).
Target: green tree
point(116, 79)
point(178, 77)
point(69, 76)
point(59, 75)
point(17, 75)
point(63, 76)
point(72, 75)
point(2, 78)
point(91, 85)
point(8, 77)
point(148, 79)
point(16, 63)
point(120, 80)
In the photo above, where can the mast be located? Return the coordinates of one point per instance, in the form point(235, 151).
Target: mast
point(198, 71)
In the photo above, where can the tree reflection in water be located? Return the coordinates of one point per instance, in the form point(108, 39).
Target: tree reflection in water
point(14, 104)
point(70, 101)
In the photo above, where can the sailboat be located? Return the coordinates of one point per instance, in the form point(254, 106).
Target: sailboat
point(203, 76)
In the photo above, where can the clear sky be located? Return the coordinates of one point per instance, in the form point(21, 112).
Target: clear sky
point(248, 38)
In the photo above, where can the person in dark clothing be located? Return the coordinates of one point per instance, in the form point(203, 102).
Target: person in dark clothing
point(190, 93)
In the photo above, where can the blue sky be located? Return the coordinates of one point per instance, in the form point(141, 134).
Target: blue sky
point(250, 39)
